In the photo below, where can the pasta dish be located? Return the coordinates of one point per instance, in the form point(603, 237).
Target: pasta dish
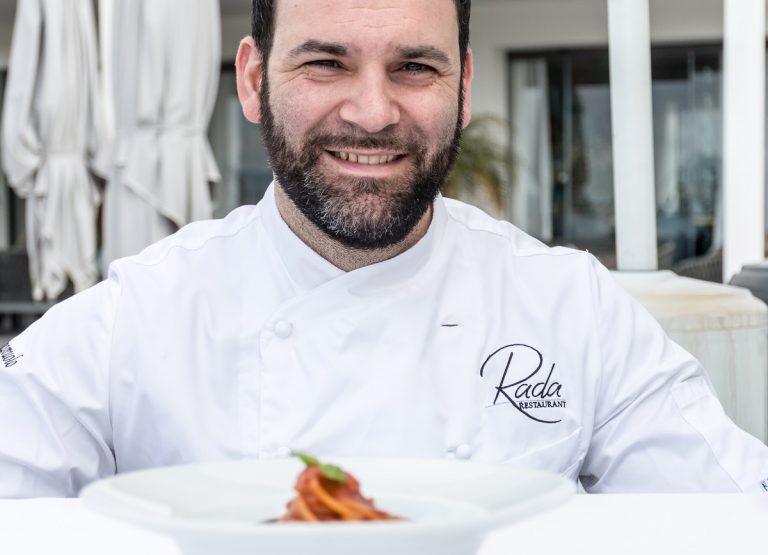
point(328, 493)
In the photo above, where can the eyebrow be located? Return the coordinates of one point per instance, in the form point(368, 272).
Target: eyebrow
point(424, 53)
point(313, 46)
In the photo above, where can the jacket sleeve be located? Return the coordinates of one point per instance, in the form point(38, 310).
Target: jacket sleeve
point(658, 425)
point(54, 393)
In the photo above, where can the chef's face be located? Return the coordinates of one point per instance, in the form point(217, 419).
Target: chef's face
point(362, 105)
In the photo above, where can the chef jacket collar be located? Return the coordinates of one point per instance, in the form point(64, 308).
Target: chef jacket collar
point(308, 270)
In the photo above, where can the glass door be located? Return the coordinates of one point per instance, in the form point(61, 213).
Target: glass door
point(686, 90)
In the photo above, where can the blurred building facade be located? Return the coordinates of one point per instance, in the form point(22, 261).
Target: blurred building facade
point(543, 66)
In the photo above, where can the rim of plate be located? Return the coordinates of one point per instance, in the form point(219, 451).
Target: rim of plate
point(102, 497)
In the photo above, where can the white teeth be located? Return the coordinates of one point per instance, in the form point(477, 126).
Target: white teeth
point(365, 159)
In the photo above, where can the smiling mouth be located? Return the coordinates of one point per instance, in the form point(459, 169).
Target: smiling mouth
point(367, 159)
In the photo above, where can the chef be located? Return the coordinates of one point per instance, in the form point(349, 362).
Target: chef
point(354, 310)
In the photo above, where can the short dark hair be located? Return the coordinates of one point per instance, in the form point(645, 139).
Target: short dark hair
point(263, 26)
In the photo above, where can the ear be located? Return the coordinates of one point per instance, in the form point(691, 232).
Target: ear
point(249, 68)
point(466, 82)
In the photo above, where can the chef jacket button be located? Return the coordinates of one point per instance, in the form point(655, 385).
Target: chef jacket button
point(283, 329)
point(463, 452)
point(283, 451)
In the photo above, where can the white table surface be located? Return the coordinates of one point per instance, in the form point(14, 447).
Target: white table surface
point(594, 524)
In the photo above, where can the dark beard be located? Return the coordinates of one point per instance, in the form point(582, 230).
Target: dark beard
point(369, 213)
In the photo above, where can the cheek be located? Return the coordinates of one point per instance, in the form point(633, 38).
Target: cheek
point(435, 108)
point(438, 122)
point(298, 109)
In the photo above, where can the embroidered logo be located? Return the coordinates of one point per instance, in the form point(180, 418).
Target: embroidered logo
point(764, 483)
point(8, 356)
point(523, 382)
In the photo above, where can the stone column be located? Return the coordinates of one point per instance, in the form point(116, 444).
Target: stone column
point(743, 134)
point(632, 128)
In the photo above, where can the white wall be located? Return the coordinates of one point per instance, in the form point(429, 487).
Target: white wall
point(500, 26)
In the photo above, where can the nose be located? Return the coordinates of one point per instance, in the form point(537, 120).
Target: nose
point(371, 103)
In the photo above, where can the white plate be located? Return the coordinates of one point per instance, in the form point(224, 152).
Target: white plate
point(222, 507)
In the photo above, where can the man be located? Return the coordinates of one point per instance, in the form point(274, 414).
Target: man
point(354, 311)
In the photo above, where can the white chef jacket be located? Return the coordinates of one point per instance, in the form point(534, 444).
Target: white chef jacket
point(234, 339)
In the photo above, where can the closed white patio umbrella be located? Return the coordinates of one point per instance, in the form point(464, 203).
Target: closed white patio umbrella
point(51, 139)
point(165, 66)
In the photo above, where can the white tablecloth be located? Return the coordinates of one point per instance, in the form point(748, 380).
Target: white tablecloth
point(594, 524)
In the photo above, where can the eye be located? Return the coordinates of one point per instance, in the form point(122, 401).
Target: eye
point(415, 68)
point(324, 64)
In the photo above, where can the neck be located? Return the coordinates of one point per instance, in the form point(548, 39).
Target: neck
point(342, 256)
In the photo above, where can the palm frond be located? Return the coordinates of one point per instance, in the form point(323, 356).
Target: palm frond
point(484, 159)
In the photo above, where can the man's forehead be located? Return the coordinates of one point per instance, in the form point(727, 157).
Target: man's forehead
point(397, 22)
point(438, 9)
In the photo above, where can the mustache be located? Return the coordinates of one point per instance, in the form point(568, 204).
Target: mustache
point(410, 143)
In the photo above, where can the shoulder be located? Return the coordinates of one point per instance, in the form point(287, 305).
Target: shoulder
point(195, 240)
point(477, 227)
point(498, 251)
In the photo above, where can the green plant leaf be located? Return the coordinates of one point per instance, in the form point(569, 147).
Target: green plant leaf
point(329, 471)
point(306, 459)
point(485, 159)
point(332, 472)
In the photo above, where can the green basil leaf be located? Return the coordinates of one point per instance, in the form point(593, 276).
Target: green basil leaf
point(306, 459)
point(329, 471)
point(332, 472)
